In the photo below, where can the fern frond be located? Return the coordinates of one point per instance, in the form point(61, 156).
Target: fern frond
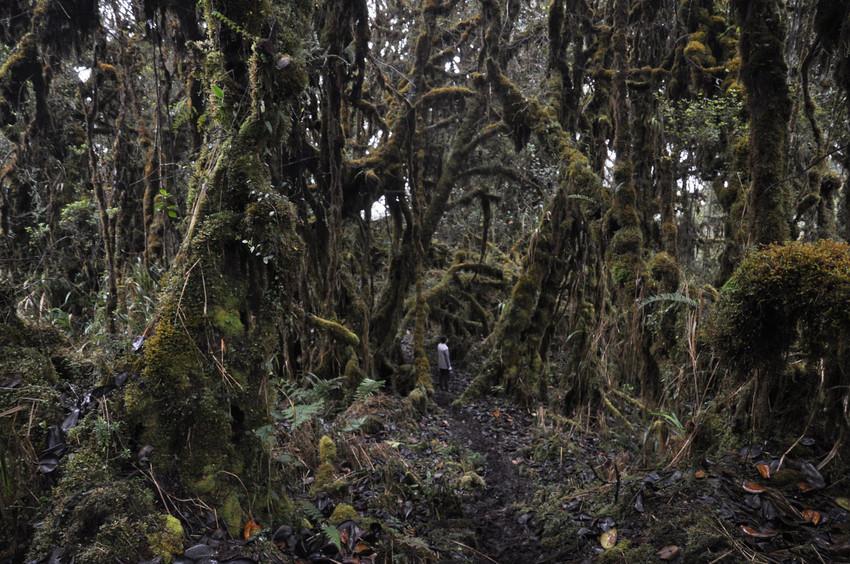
point(298, 414)
point(367, 388)
point(332, 534)
point(311, 511)
point(323, 389)
point(675, 297)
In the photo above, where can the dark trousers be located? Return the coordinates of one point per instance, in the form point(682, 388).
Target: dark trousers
point(444, 379)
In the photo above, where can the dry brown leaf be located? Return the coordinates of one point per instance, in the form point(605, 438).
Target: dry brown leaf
point(699, 474)
point(251, 529)
point(758, 533)
point(764, 470)
point(608, 539)
point(812, 516)
point(753, 487)
point(805, 486)
point(669, 552)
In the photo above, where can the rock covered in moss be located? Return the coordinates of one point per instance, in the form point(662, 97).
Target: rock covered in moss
point(232, 514)
point(418, 399)
point(167, 539)
point(109, 522)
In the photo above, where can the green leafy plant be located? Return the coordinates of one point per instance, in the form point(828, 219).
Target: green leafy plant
point(674, 297)
point(164, 202)
point(306, 402)
point(297, 414)
point(671, 419)
point(367, 388)
point(332, 534)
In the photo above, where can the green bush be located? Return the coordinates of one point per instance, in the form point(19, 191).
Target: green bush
point(782, 296)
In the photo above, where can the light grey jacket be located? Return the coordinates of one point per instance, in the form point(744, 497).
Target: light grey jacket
point(443, 360)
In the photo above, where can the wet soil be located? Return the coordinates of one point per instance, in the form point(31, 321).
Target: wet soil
point(498, 432)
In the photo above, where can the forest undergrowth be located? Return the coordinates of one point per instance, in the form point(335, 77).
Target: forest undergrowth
point(233, 233)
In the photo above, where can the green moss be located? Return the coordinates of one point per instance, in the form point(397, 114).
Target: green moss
point(326, 480)
point(227, 321)
point(705, 541)
point(343, 512)
point(779, 291)
point(698, 52)
point(783, 298)
point(664, 271)
point(336, 329)
point(232, 515)
point(471, 480)
point(626, 241)
point(764, 75)
point(167, 539)
point(625, 269)
point(98, 522)
point(327, 450)
point(714, 436)
point(418, 399)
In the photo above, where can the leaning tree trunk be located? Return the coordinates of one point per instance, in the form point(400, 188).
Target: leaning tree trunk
point(521, 336)
point(204, 386)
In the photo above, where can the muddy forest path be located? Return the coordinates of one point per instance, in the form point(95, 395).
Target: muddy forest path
point(500, 432)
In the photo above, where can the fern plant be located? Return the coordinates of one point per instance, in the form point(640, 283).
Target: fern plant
point(367, 388)
point(674, 298)
point(305, 403)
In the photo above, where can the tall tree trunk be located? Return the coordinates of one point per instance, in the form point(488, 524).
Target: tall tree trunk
point(205, 386)
point(764, 74)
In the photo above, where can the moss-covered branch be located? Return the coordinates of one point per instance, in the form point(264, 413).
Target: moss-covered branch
point(336, 329)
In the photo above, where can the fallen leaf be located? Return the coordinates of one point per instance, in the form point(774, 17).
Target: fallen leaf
point(608, 539)
point(764, 470)
point(496, 413)
point(843, 503)
point(758, 533)
point(699, 474)
point(813, 477)
point(669, 552)
point(753, 487)
point(805, 486)
point(812, 516)
point(251, 529)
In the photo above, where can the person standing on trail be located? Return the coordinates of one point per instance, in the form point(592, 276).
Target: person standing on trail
point(444, 363)
point(407, 348)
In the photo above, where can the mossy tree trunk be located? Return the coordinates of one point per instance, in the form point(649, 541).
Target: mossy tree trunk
point(520, 339)
point(207, 364)
point(764, 74)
